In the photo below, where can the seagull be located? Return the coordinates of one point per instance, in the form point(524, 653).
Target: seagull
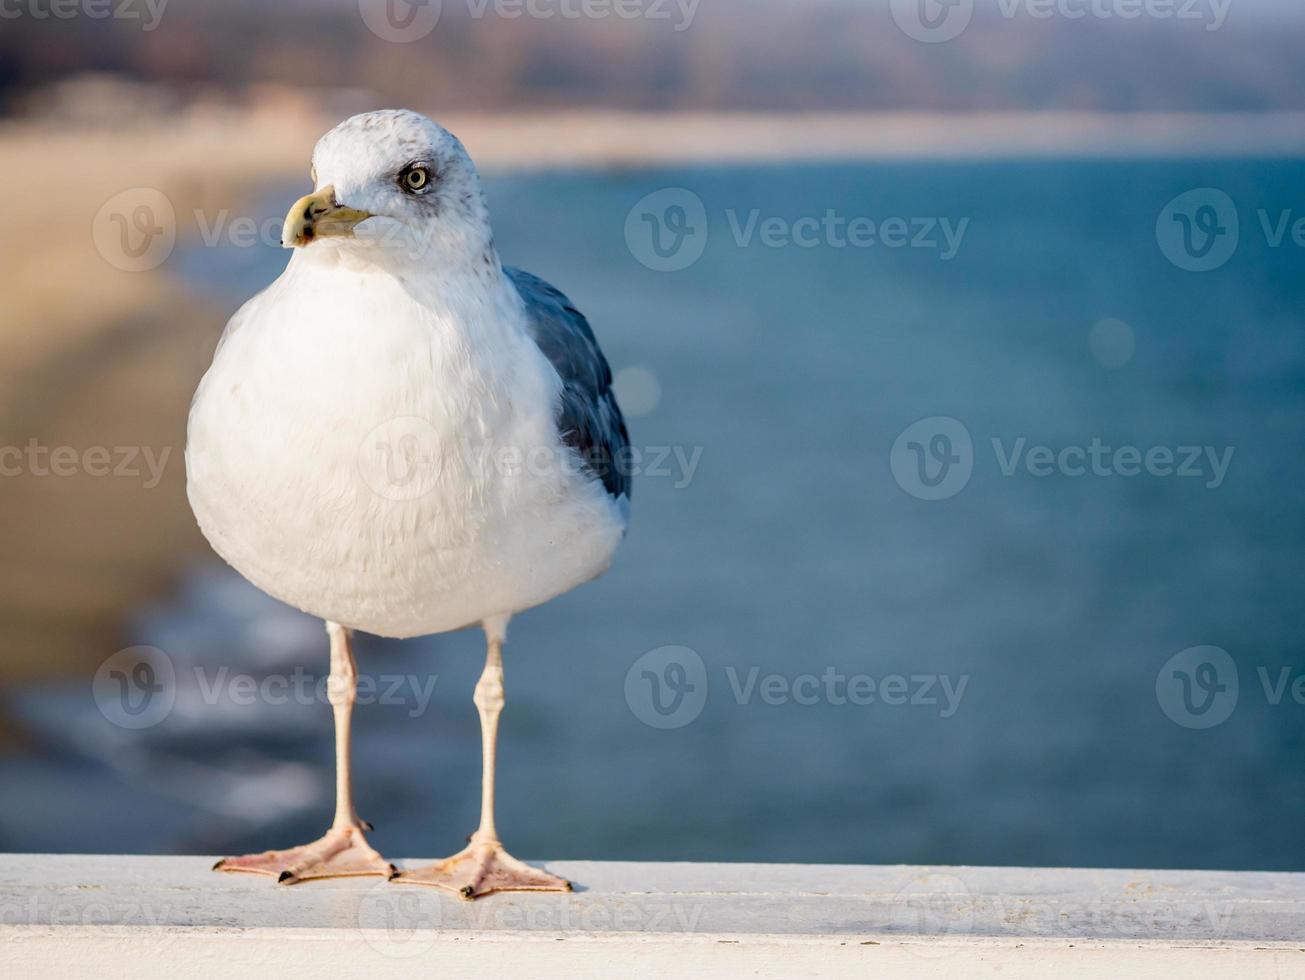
point(403, 437)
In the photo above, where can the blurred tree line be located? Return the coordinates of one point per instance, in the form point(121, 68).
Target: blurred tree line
point(731, 55)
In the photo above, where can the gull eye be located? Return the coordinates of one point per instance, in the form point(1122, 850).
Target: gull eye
point(414, 178)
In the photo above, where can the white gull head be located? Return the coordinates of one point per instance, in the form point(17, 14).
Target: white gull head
point(396, 190)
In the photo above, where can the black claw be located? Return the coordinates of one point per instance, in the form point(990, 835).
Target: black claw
point(368, 825)
point(467, 891)
point(394, 873)
point(218, 866)
point(285, 876)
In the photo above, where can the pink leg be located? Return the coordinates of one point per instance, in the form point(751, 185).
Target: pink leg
point(483, 866)
point(343, 851)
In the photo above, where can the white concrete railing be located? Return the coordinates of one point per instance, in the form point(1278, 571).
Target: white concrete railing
point(155, 917)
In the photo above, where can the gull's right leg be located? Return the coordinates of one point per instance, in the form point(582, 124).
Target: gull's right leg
point(343, 851)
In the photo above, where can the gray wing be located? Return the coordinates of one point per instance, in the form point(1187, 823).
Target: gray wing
point(588, 419)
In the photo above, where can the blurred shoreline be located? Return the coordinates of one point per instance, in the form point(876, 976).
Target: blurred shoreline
point(632, 139)
point(276, 138)
point(97, 356)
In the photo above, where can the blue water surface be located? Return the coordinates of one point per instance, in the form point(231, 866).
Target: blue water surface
point(793, 549)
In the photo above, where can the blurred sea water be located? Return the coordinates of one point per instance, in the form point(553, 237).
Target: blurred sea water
point(1049, 606)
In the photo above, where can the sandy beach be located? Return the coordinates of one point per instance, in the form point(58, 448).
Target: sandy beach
point(101, 362)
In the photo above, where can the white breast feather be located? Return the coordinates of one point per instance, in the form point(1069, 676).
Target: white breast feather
point(326, 372)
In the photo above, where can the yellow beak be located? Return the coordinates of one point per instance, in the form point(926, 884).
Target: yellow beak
point(319, 215)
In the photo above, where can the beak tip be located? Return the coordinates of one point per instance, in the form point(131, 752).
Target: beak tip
point(319, 214)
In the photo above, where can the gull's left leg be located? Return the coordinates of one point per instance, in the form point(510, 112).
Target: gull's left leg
point(483, 866)
point(344, 851)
